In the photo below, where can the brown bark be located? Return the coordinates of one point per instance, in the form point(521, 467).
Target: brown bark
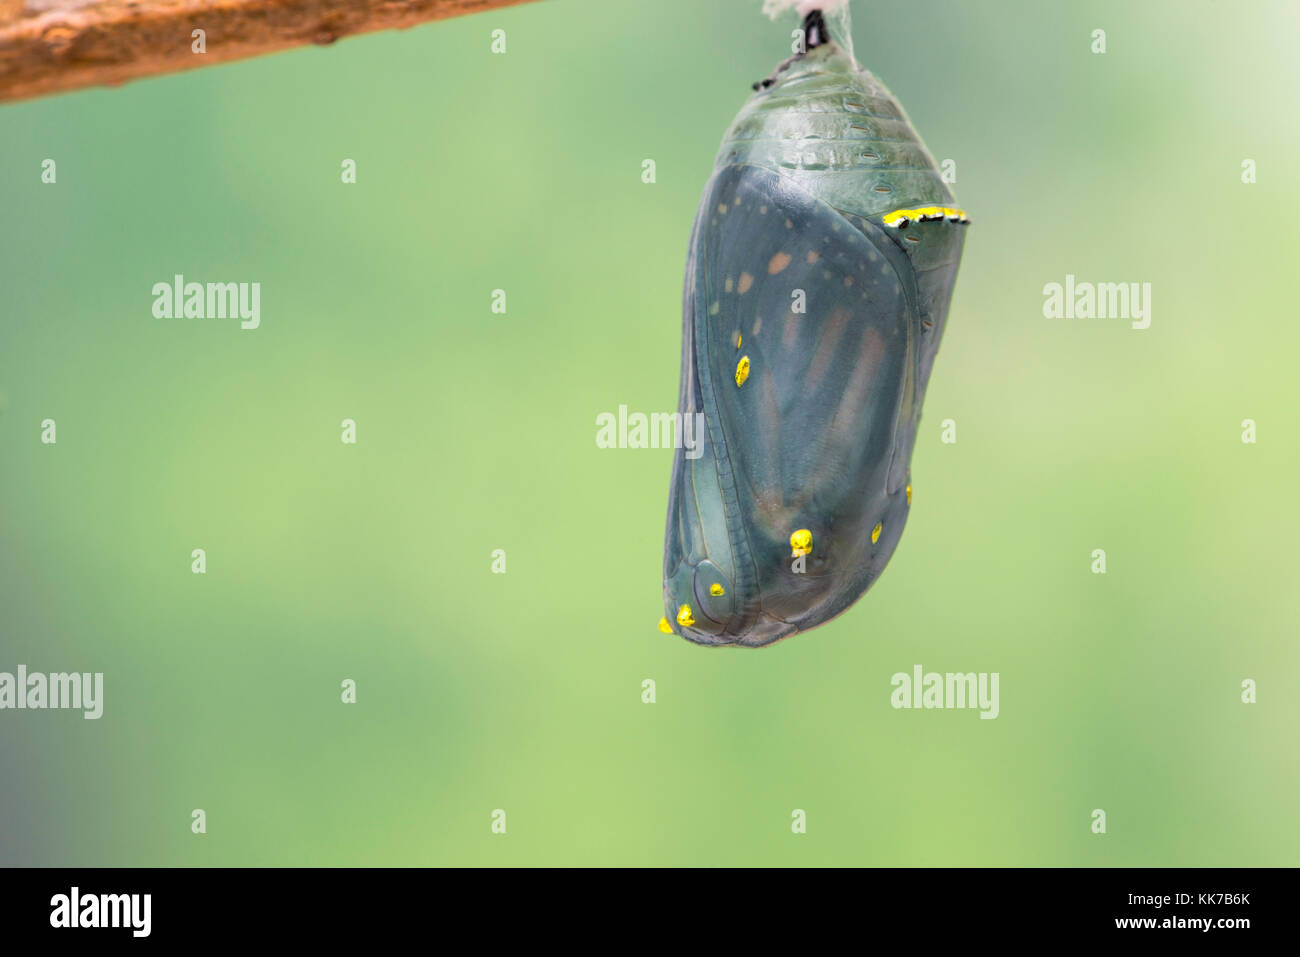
point(48, 46)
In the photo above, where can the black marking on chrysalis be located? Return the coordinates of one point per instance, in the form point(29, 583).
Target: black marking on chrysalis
point(814, 30)
point(815, 34)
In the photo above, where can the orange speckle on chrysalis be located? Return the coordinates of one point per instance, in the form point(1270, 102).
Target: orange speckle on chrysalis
point(812, 256)
point(777, 263)
point(746, 280)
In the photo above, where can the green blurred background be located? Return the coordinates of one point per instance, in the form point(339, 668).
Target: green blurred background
point(476, 431)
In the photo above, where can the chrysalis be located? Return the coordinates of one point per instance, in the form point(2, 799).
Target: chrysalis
point(821, 265)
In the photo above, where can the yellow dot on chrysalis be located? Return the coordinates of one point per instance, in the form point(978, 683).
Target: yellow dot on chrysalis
point(909, 495)
point(875, 532)
point(739, 339)
point(716, 589)
point(666, 628)
point(801, 542)
point(742, 370)
point(684, 616)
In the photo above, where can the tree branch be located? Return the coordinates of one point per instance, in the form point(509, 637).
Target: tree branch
point(48, 46)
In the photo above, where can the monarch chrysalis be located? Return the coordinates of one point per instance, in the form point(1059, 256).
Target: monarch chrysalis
point(821, 265)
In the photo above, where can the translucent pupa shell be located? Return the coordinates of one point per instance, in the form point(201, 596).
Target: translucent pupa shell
point(820, 270)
